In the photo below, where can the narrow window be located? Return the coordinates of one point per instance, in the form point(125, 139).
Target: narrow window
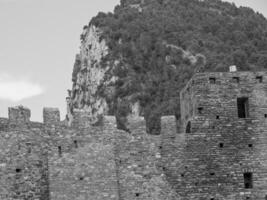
point(188, 89)
point(259, 79)
point(212, 80)
point(18, 170)
point(217, 117)
point(200, 110)
point(188, 127)
point(265, 115)
point(29, 148)
point(242, 106)
point(250, 145)
point(221, 145)
point(236, 79)
point(76, 144)
point(265, 197)
point(59, 151)
point(67, 118)
point(248, 180)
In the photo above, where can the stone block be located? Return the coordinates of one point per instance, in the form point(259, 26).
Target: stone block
point(51, 115)
point(19, 114)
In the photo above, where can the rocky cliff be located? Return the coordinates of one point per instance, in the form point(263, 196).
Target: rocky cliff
point(94, 81)
point(89, 76)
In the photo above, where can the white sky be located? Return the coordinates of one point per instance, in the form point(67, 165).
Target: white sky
point(38, 43)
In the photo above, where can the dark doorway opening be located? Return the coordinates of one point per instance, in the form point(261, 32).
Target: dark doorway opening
point(242, 106)
point(248, 180)
point(188, 127)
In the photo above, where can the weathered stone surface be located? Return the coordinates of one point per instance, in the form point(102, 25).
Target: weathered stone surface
point(23, 165)
point(220, 147)
point(19, 115)
point(51, 115)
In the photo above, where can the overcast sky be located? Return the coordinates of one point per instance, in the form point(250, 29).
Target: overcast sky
point(38, 43)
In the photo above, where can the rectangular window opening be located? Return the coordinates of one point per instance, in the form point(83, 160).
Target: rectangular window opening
point(236, 79)
point(29, 148)
point(18, 170)
point(200, 110)
point(259, 79)
point(76, 144)
point(242, 106)
point(59, 151)
point(248, 180)
point(212, 80)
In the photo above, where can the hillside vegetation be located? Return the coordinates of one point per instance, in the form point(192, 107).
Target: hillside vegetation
point(161, 43)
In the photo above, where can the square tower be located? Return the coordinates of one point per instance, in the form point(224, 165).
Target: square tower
point(224, 118)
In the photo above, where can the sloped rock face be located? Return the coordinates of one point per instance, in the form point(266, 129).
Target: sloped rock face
point(89, 75)
point(93, 80)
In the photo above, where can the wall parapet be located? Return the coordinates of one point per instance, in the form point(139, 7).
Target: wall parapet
point(19, 115)
point(51, 115)
point(168, 124)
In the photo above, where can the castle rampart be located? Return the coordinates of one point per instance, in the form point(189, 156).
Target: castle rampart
point(217, 150)
point(53, 161)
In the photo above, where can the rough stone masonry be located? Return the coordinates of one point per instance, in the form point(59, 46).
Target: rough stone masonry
point(218, 151)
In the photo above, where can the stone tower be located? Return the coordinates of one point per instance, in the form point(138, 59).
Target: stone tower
point(224, 117)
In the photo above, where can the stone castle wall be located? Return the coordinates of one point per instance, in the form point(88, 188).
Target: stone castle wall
point(23, 158)
point(207, 154)
point(52, 161)
point(82, 164)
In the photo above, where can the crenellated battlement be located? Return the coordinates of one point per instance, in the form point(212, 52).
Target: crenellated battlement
point(82, 119)
point(51, 116)
point(19, 115)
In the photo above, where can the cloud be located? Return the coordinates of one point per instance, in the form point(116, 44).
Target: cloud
point(17, 89)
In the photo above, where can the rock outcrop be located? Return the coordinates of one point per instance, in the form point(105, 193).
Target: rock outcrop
point(93, 80)
point(89, 75)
